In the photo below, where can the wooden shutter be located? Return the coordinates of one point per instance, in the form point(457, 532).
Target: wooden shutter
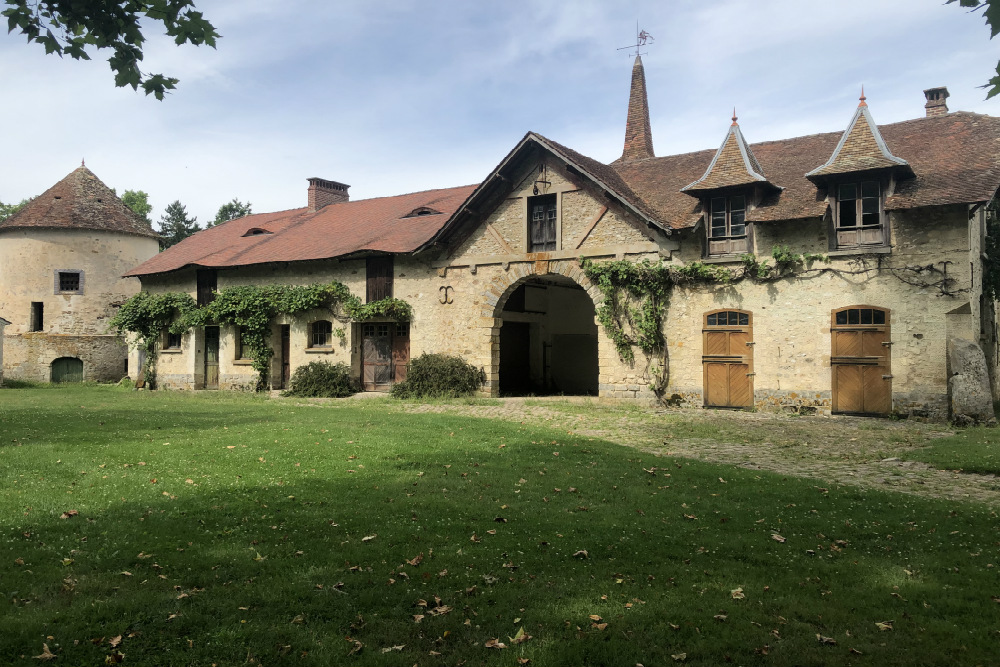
point(379, 278)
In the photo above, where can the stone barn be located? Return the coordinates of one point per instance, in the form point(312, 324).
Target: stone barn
point(819, 273)
point(61, 263)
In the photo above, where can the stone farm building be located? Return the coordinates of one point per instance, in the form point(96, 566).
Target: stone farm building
point(493, 271)
point(62, 257)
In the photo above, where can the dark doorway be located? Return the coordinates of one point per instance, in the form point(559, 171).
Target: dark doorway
point(548, 340)
point(67, 369)
point(515, 362)
point(286, 354)
point(211, 357)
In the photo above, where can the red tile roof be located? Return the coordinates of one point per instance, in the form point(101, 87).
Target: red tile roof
point(734, 164)
point(79, 201)
point(956, 159)
point(334, 231)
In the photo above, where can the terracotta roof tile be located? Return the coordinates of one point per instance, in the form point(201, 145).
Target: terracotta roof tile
point(734, 164)
point(334, 231)
point(860, 148)
point(79, 201)
point(956, 159)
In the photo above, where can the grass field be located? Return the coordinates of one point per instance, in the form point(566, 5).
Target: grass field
point(971, 450)
point(216, 528)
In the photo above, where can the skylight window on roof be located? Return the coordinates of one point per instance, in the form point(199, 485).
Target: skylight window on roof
point(421, 211)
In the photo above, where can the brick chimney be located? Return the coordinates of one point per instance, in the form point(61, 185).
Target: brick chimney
point(936, 105)
point(323, 193)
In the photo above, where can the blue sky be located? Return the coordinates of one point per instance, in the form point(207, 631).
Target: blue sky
point(394, 96)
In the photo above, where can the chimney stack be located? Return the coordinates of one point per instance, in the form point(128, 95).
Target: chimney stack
point(323, 193)
point(936, 105)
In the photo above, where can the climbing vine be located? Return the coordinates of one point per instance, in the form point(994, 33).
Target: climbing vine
point(637, 294)
point(252, 308)
point(991, 267)
point(146, 315)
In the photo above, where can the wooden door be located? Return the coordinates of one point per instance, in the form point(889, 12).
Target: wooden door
point(211, 357)
point(67, 369)
point(376, 356)
point(727, 359)
point(286, 354)
point(860, 361)
point(401, 351)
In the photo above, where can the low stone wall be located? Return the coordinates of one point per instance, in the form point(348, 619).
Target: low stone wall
point(29, 356)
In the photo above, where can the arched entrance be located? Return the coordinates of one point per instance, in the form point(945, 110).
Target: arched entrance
point(67, 369)
point(548, 338)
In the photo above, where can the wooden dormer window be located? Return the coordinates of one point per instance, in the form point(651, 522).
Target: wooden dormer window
point(542, 215)
point(727, 228)
point(859, 217)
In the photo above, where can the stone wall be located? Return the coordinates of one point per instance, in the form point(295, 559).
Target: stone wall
point(74, 324)
point(29, 356)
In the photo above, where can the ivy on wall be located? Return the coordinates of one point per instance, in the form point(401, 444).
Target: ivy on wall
point(637, 294)
point(252, 308)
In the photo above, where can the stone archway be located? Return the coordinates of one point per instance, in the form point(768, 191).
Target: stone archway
point(560, 352)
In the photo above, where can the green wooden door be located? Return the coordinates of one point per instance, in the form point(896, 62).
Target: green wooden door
point(67, 369)
point(211, 357)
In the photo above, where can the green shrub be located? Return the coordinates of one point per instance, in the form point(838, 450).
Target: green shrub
point(321, 379)
point(439, 376)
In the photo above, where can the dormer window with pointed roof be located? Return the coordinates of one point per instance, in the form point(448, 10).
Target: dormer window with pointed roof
point(727, 190)
point(857, 176)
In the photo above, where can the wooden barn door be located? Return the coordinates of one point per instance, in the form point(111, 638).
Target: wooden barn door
point(400, 351)
point(67, 369)
point(286, 355)
point(727, 359)
point(211, 357)
point(376, 356)
point(860, 361)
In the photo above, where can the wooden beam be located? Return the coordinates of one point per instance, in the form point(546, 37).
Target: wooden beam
point(590, 227)
point(499, 239)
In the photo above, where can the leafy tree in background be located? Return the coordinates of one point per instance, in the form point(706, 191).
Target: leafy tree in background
point(7, 210)
point(175, 225)
point(138, 201)
point(231, 211)
point(68, 27)
point(991, 13)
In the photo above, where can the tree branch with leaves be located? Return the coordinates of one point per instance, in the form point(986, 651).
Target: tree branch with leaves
point(70, 27)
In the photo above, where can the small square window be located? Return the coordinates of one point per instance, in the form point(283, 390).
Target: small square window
point(68, 281)
point(322, 334)
point(173, 341)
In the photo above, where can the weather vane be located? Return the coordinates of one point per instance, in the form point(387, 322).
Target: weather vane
point(641, 37)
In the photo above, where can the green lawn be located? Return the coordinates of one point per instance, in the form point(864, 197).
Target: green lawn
point(974, 450)
point(231, 529)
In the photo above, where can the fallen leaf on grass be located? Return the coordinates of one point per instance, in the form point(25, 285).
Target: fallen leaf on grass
point(519, 637)
point(826, 640)
point(777, 538)
point(856, 651)
point(737, 593)
point(523, 661)
point(887, 625)
point(679, 657)
point(690, 517)
point(720, 617)
point(357, 646)
point(115, 641)
point(582, 553)
point(114, 658)
point(388, 649)
point(46, 654)
point(416, 561)
point(417, 618)
point(598, 626)
point(369, 538)
point(299, 619)
point(65, 515)
point(495, 643)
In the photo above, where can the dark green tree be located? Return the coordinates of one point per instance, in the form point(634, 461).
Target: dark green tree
point(175, 225)
point(991, 13)
point(138, 201)
point(69, 27)
point(7, 210)
point(231, 211)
